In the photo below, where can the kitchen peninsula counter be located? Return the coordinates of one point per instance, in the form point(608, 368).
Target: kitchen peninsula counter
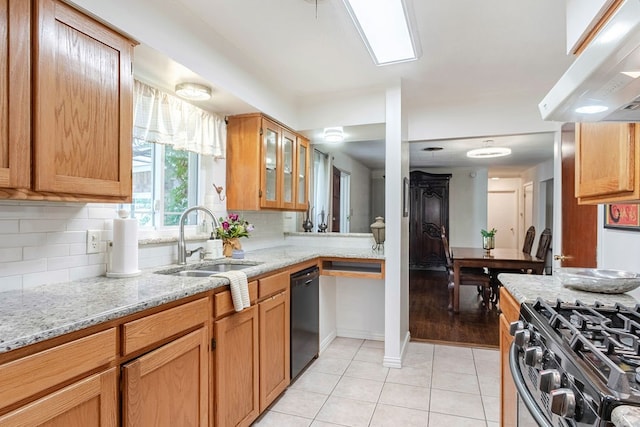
point(529, 287)
point(36, 314)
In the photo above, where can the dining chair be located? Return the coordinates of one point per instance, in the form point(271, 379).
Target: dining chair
point(529, 237)
point(543, 244)
point(468, 276)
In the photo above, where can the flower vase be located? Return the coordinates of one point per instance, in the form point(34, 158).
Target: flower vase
point(228, 245)
point(488, 242)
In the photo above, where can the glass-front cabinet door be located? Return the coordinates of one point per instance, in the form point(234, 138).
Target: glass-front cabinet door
point(288, 170)
point(271, 165)
point(302, 174)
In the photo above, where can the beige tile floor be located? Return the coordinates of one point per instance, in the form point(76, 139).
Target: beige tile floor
point(347, 385)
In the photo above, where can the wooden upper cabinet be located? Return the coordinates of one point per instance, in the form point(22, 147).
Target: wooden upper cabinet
point(607, 162)
point(271, 165)
point(15, 93)
point(263, 161)
point(302, 184)
point(82, 104)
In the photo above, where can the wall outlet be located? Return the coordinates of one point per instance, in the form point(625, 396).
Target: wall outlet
point(93, 241)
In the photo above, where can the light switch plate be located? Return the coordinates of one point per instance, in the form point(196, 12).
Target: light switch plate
point(93, 241)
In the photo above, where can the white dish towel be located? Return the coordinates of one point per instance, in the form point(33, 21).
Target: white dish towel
point(239, 288)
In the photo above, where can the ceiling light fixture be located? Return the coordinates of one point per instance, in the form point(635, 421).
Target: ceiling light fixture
point(488, 152)
point(334, 134)
point(193, 91)
point(386, 29)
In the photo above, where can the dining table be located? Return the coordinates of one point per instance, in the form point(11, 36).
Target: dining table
point(494, 259)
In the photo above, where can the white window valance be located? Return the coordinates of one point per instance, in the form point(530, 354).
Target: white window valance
point(166, 119)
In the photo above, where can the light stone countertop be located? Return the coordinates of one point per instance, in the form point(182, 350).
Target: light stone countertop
point(625, 416)
point(37, 314)
point(528, 287)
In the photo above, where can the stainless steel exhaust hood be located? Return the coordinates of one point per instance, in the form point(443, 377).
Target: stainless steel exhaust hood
point(605, 76)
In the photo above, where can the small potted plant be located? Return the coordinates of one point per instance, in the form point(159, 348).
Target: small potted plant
point(230, 230)
point(488, 239)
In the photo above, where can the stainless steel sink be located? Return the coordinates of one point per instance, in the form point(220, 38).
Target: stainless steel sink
point(207, 269)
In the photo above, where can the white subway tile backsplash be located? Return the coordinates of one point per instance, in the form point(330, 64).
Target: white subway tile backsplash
point(67, 237)
point(22, 267)
point(77, 248)
point(102, 212)
point(64, 212)
point(10, 283)
point(9, 226)
point(20, 240)
point(45, 251)
point(85, 224)
point(84, 272)
point(10, 254)
point(59, 263)
point(16, 210)
point(41, 225)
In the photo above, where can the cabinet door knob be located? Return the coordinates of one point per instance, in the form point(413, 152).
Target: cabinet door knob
point(560, 257)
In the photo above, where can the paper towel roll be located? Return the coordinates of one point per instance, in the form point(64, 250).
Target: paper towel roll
point(124, 252)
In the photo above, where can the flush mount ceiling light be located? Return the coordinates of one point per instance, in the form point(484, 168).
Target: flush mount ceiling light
point(193, 91)
point(488, 152)
point(386, 29)
point(334, 134)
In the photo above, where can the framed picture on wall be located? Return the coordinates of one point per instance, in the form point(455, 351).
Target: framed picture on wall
point(622, 216)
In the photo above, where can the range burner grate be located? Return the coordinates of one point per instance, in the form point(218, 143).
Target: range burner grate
point(605, 338)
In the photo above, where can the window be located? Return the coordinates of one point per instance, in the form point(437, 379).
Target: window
point(169, 136)
point(164, 183)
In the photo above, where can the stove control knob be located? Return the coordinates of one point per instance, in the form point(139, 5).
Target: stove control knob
point(563, 402)
point(533, 357)
point(549, 380)
point(522, 337)
point(515, 326)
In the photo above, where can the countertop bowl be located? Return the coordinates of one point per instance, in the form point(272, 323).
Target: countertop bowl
point(598, 280)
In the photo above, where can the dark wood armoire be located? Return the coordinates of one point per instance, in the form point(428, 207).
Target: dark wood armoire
point(429, 211)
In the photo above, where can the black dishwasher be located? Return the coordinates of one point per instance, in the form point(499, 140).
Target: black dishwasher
point(305, 318)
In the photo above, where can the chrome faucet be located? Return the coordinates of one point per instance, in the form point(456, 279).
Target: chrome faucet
point(183, 253)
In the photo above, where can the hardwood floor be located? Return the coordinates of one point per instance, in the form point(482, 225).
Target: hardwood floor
point(429, 318)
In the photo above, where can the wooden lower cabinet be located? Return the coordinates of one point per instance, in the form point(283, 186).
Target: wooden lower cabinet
point(91, 402)
point(236, 369)
point(275, 339)
point(170, 385)
point(509, 398)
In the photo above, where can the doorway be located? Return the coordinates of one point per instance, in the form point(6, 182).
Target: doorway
point(502, 214)
point(335, 200)
point(340, 201)
point(527, 220)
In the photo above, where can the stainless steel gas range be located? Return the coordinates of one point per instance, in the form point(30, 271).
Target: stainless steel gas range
point(574, 364)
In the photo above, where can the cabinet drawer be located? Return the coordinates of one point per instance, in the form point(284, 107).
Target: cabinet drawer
point(157, 327)
point(32, 374)
point(223, 304)
point(272, 284)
